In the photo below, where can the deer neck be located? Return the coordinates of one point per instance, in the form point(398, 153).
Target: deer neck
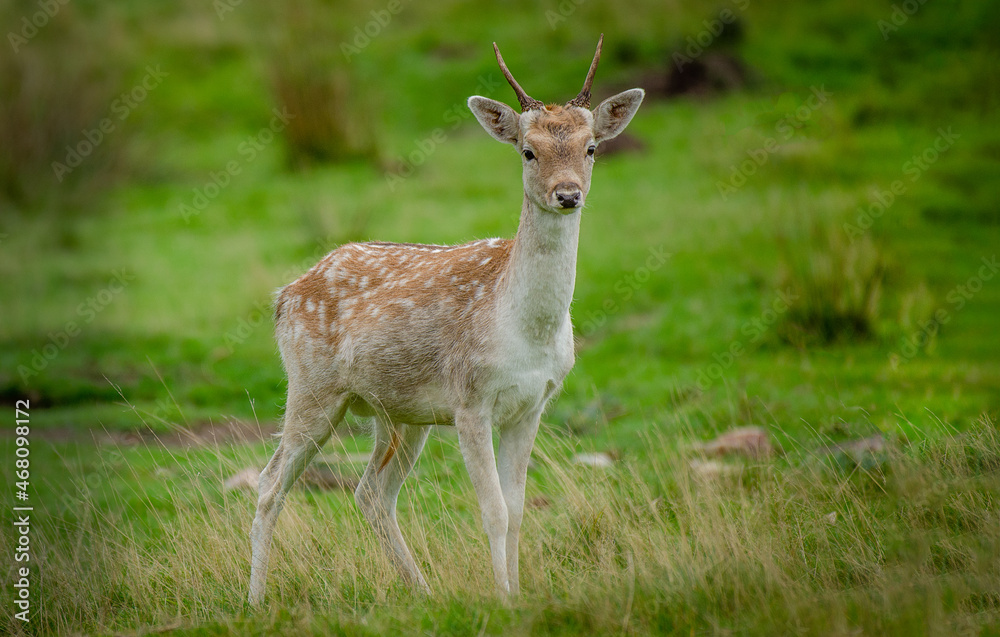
point(538, 285)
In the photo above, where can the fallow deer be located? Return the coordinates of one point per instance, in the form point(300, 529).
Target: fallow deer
point(477, 336)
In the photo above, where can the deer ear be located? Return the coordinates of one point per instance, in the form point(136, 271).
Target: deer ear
point(497, 118)
point(613, 114)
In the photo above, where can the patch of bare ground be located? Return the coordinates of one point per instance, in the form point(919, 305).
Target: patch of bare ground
point(195, 435)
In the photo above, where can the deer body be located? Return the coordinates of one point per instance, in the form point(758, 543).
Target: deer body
point(412, 333)
point(476, 335)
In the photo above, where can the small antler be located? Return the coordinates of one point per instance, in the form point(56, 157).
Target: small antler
point(527, 102)
point(583, 99)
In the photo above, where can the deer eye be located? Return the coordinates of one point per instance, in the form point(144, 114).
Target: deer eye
point(591, 150)
point(528, 154)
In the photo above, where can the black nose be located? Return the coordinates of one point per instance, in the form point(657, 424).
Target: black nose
point(568, 195)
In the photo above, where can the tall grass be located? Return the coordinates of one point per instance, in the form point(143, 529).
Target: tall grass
point(332, 119)
point(57, 85)
point(910, 545)
point(837, 283)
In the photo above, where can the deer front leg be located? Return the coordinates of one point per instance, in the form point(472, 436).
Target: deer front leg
point(475, 438)
point(516, 442)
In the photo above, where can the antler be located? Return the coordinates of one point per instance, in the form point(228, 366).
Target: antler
point(583, 99)
point(527, 102)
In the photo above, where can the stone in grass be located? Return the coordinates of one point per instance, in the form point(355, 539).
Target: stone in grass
point(325, 478)
point(245, 479)
point(859, 447)
point(865, 453)
point(319, 477)
point(599, 459)
point(751, 442)
point(712, 469)
point(360, 457)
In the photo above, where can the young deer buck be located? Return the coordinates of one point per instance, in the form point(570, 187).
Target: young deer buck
point(477, 336)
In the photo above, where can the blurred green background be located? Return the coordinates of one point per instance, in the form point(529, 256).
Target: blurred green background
point(799, 231)
point(223, 148)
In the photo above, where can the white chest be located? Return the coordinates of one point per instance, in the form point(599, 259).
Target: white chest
point(530, 373)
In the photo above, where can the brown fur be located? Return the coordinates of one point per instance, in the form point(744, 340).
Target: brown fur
point(376, 293)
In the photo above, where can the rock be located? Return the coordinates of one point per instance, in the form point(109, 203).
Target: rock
point(711, 469)
point(318, 477)
point(865, 453)
point(599, 459)
point(344, 458)
point(325, 478)
point(245, 479)
point(859, 447)
point(751, 442)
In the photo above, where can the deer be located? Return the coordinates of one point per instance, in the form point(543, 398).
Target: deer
point(477, 336)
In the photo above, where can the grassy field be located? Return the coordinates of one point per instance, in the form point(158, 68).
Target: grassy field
point(811, 248)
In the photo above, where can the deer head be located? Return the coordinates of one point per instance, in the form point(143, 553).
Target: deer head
point(556, 143)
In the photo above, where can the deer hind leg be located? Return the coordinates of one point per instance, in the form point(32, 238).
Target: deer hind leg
point(307, 426)
point(396, 450)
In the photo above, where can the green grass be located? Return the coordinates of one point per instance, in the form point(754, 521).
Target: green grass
point(903, 544)
point(643, 548)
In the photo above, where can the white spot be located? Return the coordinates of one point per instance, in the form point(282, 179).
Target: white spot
point(364, 283)
point(486, 260)
point(310, 306)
